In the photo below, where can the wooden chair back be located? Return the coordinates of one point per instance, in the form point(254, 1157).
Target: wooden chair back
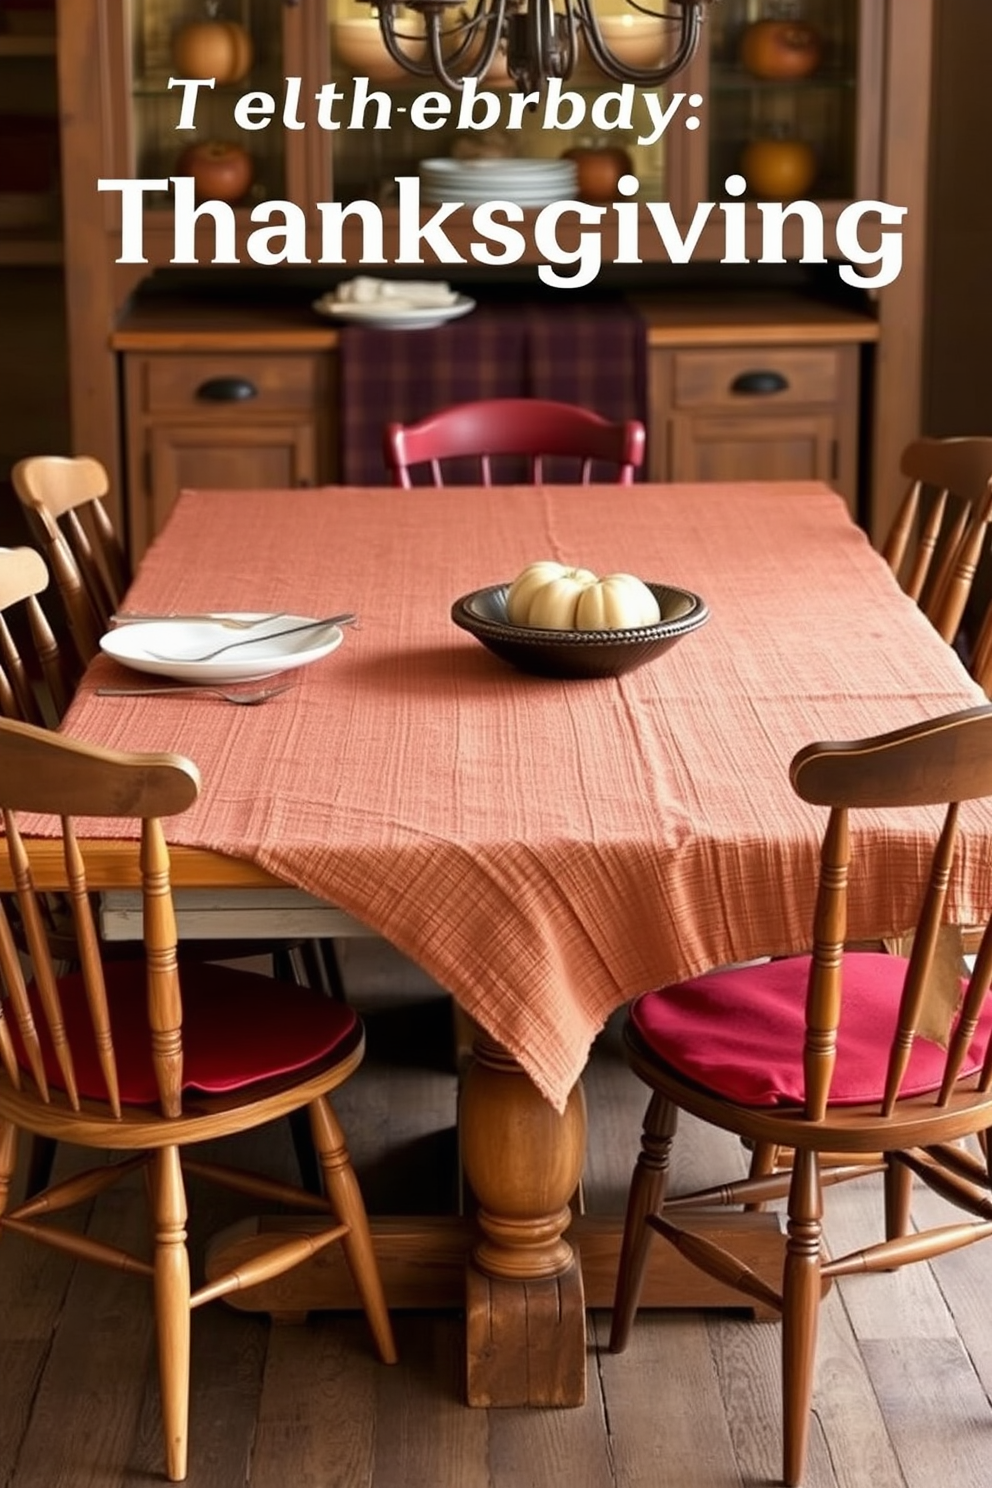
point(33, 689)
point(533, 428)
point(45, 772)
point(63, 499)
point(934, 546)
point(944, 762)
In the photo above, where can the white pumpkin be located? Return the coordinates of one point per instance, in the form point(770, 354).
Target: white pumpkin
point(617, 602)
point(550, 596)
point(532, 581)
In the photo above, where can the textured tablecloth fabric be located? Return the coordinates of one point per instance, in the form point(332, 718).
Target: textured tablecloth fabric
point(591, 353)
point(547, 849)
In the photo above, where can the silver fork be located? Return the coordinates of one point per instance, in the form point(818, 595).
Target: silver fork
point(192, 689)
point(347, 618)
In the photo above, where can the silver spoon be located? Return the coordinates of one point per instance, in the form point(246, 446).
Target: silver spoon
point(192, 689)
point(348, 618)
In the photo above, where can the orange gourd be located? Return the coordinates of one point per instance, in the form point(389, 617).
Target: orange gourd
point(213, 48)
point(778, 169)
point(780, 49)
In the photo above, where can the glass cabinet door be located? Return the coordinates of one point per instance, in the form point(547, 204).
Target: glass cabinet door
point(786, 102)
point(248, 46)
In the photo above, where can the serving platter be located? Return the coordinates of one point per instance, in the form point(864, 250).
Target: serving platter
point(169, 648)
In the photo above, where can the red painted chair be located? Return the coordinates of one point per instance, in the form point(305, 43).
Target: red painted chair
point(534, 428)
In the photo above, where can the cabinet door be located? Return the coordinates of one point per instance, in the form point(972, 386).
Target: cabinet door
point(755, 412)
point(235, 456)
point(795, 121)
point(780, 446)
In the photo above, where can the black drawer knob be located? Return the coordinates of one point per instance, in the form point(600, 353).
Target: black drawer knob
point(759, 383)
point(227, 390)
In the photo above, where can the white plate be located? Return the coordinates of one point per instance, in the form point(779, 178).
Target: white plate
point(493, 180)
point(530, 168)
point(518, 197)
point(389, 316)
point(265, 654)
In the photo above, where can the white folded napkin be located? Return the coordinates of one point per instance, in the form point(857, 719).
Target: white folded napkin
point(411, 293)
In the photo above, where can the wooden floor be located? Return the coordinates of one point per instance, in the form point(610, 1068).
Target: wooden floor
point(905, 1362)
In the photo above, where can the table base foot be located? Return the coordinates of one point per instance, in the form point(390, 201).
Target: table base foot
point(525, 1340)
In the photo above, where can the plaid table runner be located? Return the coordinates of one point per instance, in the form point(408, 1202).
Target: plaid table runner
point(587, 352)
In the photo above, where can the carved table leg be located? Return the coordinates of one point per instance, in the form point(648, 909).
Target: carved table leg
point(525, 1319)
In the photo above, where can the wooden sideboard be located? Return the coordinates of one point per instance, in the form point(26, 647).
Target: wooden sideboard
point(738, 387)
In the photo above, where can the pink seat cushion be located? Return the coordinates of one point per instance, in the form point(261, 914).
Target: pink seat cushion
point(740, 1032)
point(238, 1028)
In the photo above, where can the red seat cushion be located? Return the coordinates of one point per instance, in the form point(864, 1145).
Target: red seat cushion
point(238, 1028)
point(740, 1032)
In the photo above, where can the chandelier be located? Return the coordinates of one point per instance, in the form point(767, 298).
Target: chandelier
point(538, 39)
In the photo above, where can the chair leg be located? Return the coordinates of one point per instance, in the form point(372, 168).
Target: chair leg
point(800, 1312)
point(331, 977)
point(172, 1306)
point(8, 1157)
point(306, 1156)
point(764, 1162)
point(647, 1194)
point(345, 1198)
point(41, 1159)
point(305, 965)
point(312, 963)
point(898, 1197)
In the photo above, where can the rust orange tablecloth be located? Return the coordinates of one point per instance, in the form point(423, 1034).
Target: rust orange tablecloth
point(546, 849)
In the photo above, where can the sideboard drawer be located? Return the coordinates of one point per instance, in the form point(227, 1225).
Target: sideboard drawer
point(755, 375)
point(222, 418)
point(182, 383)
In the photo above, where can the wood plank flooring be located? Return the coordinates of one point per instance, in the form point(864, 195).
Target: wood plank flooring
point(905, 1361)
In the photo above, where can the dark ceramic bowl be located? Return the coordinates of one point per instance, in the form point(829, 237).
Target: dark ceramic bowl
point(578, 653)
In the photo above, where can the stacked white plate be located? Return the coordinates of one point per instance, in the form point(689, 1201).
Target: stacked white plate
point(527, 183)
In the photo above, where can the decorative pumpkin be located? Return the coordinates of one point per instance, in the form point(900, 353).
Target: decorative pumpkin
point(551, 596)
point(781, 49)
point(617, 602)
point(221, 170)
point(213, 48)
point(778, 169)
point(600, 168)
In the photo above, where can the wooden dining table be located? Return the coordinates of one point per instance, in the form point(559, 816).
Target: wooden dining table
point(545, 849)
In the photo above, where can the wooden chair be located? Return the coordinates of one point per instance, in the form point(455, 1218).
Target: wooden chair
point(63, 500)
point(934, 548)
point(535, 428)
point(34, 689)
point(142, 1062)
point(756, 1051)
